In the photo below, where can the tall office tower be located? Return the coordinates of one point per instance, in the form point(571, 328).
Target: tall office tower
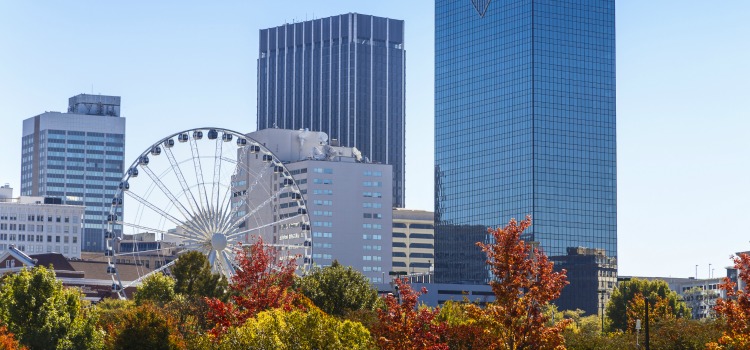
point(78, 157)
point(524, 125)
point(342, 75)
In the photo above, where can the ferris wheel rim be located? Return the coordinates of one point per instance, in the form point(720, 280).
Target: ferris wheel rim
point(221, 260)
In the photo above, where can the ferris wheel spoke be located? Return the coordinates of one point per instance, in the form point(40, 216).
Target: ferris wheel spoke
point(181, 178)
point(235, 222)
point(199, 171)
point(141, 278)
point(160, 211)
point(179, 206)
point(143, 251)
point(162, 232)
point(217, 172)
point(235, 234)
point(228, 263)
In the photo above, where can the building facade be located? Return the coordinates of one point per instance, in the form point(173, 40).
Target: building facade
point(78, 157)
point(348, 201)
point(594, 276)
point(524, 125)
point(36, 225)
point(413, 241)
point(343, 75)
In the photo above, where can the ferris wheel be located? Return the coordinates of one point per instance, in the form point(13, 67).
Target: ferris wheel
point(207, 190)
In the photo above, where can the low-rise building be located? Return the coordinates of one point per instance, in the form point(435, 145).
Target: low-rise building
point(37, 225)
point(413, 241)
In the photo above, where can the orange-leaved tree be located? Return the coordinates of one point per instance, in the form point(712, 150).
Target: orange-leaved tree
point(523, 282)
point(262, 281)
point(403, 326)
point(8, 341)
point(735, 309)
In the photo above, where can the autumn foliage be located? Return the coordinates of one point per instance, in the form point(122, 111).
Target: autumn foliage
point(8, 341)
point(262, 281)
point(524, 283)
point(735, 309)
point(404, 326)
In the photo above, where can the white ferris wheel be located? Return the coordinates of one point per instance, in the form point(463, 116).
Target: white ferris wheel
point(207, 190)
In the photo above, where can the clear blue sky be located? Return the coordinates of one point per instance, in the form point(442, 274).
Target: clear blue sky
point(682, 90)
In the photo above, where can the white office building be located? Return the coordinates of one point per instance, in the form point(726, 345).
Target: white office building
point(347, 199)
point(36, 225)
point(77, 157)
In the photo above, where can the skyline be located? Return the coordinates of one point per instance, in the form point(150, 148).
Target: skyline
point(680, 73)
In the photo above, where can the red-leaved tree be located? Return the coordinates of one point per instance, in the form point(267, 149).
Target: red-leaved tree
point(262, 281)
point(403, 326)
point(8, 341)
point(735, 309)
point(523, 283)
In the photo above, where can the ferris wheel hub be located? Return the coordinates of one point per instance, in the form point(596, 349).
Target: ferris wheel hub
point(218, 241)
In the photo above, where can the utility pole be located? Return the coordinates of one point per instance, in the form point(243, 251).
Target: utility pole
point(648, 339)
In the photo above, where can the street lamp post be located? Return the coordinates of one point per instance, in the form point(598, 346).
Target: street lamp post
point(601, 298)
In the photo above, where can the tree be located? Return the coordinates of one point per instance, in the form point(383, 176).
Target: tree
point(402, 326)
point(156, 288)
point(735, 308)
point(8, 341)
point(193, 277)
point(43, 314)
point(295, 329)
point(655, 290)
point(338, 290)
point(146, 327)
point(524, 283)
point(262, 282)
point(467, 326)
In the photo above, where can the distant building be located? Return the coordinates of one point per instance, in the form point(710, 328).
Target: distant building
point(77, 157)
point(343, 75)
point(592, 276)
point(700, 295)
point(39, 225)
point(413, 241)
point(348, 200)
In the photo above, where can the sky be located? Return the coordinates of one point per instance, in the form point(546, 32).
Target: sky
point(682, 95)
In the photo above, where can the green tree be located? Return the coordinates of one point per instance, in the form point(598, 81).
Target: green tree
point(146, 327)
point(193, 277)
point(627, 291)
point(296, 329)
point(43, 314)
point(338, 290)
point(156, 288)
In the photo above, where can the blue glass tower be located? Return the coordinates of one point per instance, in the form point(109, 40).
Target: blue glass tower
point(524, 125)
point(343, 75)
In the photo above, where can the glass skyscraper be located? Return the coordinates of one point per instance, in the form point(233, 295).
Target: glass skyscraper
point(524, 125)
point(78, 157)
point(343, 75)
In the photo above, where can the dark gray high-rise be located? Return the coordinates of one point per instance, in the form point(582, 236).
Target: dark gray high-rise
point(524, 125)
point(343, 75)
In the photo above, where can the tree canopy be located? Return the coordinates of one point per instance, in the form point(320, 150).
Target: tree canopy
point(43, 314)
point(338, 289)
point(156, 288)
point(626, 295)
point(193, 277)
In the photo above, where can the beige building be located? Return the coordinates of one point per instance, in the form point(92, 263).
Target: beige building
point(413, 241)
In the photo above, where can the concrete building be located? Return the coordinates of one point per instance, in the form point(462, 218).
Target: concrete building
point(39, 225)
point(343, 75)
point(593, 273)
point(413, 241)
point(348, 200)
point(77, 157)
